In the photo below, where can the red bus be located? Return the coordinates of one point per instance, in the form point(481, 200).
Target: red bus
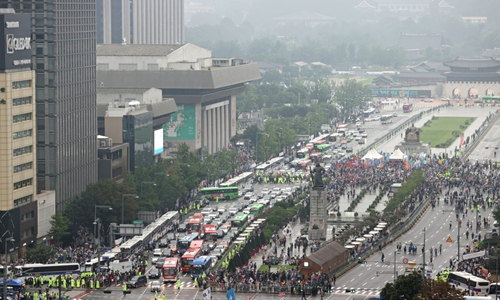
point(195, 225)
point(171, 269)
point(188, 257)
point(408, 107)
point(210, 232)
point(196, 244)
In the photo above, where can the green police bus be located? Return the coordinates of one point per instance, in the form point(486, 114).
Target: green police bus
point(222, 193)
point(239, 221)
point(256, 209)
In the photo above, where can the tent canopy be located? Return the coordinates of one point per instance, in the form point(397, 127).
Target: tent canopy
point(397, 155)
point(372, 155)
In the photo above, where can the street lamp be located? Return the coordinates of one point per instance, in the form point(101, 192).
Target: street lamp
point(147, 182)
point(5, 273)
point(123, 203)
point(96, 224)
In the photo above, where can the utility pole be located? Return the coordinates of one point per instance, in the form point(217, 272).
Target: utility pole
point(395, 273)
point(423, 257)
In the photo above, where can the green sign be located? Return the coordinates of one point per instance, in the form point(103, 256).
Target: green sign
point(137, 222)
point(182, 125)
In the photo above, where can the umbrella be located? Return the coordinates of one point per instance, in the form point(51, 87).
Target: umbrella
point(379, 229)
point(356, 243)
point(382, 223)
point(368, 235)
point(373, 232)
point(360, 239)
point(380, 226)
point(349, 246)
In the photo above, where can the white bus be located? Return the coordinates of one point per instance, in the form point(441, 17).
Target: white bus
point(469, 282)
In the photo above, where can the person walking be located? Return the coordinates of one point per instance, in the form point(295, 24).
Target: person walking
point(124, 290)
point(179, 284)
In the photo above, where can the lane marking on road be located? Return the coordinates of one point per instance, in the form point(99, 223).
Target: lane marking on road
point(197, 290)
point(142, 293)
point(373, 277)
point(360, 274)
point(365, 283)
point(352, 280)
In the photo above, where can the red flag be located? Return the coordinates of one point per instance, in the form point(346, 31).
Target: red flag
point(461, 140)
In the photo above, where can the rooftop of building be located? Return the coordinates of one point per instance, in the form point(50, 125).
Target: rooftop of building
point(473, 63)
point(136, 49)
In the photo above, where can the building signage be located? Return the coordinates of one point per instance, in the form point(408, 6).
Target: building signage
point(15, 41)
point(401, 93)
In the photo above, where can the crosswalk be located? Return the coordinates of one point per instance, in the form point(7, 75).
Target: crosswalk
point(184, 284)
point(356, 291)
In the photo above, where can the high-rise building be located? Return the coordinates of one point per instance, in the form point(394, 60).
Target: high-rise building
point(18, 206)
point(64, 59)
point(140, 21)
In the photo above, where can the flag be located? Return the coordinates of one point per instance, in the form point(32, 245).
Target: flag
point(207, 294)
point(461, 140)
point(230, 295)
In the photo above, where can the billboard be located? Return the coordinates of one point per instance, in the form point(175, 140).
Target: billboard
point(15, 41)
point(182, 125)
point(158, 141)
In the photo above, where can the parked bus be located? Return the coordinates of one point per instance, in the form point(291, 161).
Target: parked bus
point(386, 119)
point(491, 99)
point(194, 225)
point(341, 129)
point(184, 242)
point(170, 270)
point(227, 193)
point(188, 257)
point(239, 221)
point(257, 209)
point(323, 147)
point(368, 112)
point(196, 244)
point(47, 270)
point(407, 107)
point(237, 180)
point(201, 265)
point(210, 232)
point(469, 282)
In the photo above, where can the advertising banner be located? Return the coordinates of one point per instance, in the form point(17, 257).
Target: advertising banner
point(182, 125)
point(15, 41)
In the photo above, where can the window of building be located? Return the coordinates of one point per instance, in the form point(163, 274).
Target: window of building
point(22, 200)
point(117, 154)
point(23, 150)
point(23, 167)
point(28, 232)
point(116, 172)
point(21, 84)
point(21, 101)
point(28, 215)
point(22, 117)
point(127, 67)
point(23, 183)
point(22, 134)
point(102, 67)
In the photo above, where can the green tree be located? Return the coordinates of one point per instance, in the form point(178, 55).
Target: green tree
point(40, 253)
point(60, 227)
point(407, 285)
point(437, 290)
point(349, 95)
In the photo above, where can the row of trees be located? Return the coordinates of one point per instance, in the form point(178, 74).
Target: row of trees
point(154, 188)
point(412, 286)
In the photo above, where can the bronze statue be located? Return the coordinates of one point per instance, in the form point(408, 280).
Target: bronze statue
point(412, 134)
point(317, 175)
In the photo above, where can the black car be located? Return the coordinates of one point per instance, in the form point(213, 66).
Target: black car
point(361, 130)
point(137, 281)
point(154, 273)
point(361, 142)
point(160, 261)
point(348, 150)
point(182, 228)
point(167, 252)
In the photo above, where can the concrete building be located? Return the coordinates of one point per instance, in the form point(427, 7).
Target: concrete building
point(46, 209)
point(18, 206)
point(113, 159)
point(122, 112)
point(64, 59)
point(205, 95)
point(140, 21)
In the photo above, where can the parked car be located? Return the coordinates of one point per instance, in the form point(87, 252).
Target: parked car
point(248, 196)
point(160, 261)
point(167, 252)
point(156, 286)
point(137, 281)
point(211, 245)
point(154, 273)
point(248, 188)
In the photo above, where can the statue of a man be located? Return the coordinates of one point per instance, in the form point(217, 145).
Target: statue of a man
point(317, 175)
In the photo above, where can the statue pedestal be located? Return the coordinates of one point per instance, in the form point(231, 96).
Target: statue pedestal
point(410, 148)
point(318, 214)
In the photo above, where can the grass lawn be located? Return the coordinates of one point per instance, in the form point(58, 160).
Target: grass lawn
point(443, 131)
point(265, 268)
